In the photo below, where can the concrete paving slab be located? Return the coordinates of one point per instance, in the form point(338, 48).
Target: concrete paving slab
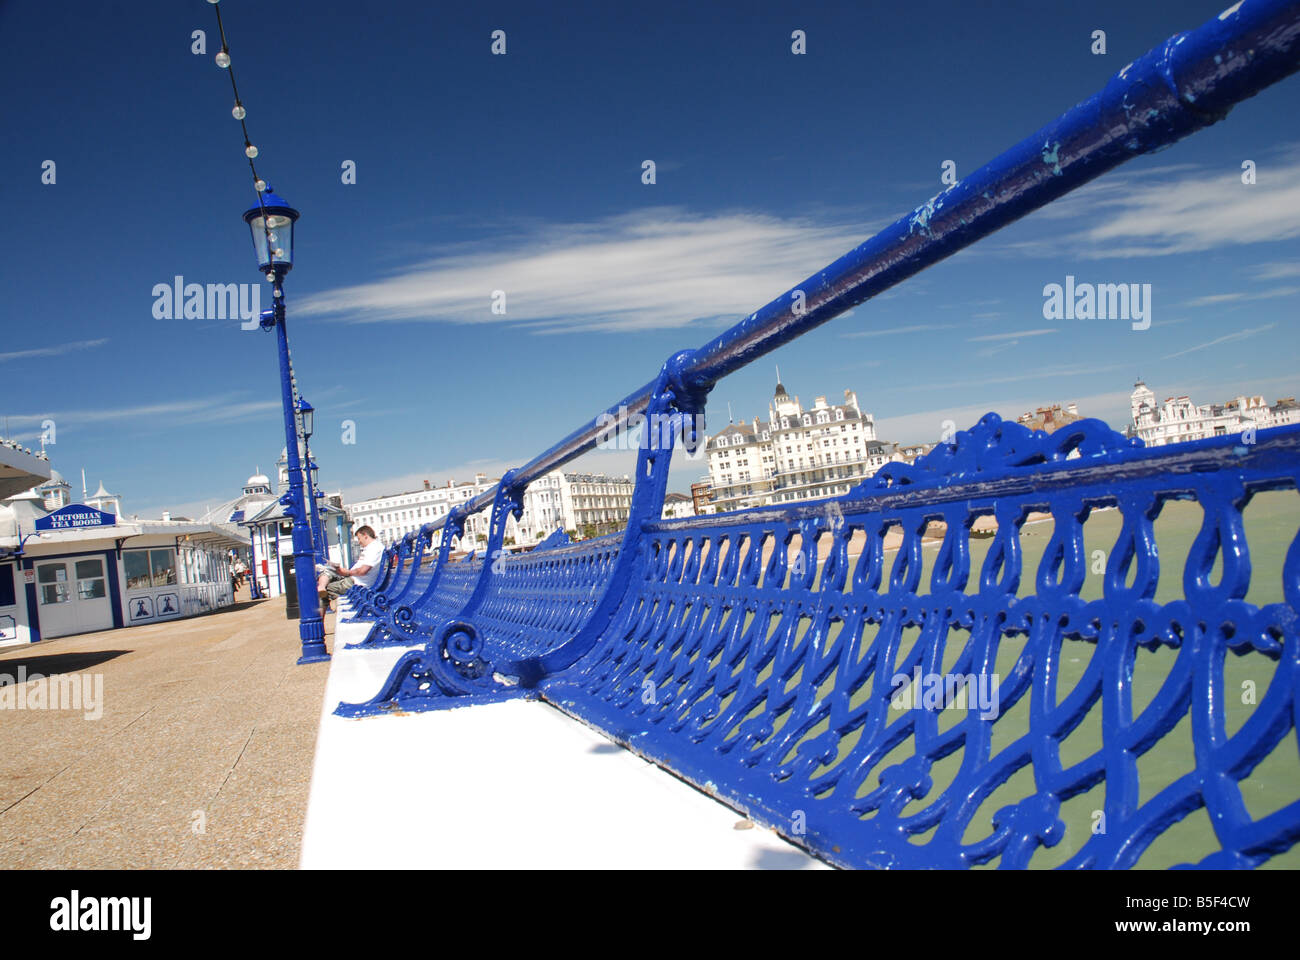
point(201, 757)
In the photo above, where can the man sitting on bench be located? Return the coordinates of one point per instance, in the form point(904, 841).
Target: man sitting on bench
point(334, 580)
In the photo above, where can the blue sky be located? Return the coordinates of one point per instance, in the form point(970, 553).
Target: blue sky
point(523, 172)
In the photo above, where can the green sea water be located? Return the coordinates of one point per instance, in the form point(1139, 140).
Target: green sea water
point(1271, 521)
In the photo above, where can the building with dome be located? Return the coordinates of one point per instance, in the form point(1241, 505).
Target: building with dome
point(270, 532)
point(256, 494)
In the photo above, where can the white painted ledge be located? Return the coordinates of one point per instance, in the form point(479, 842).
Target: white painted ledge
point(504, 785)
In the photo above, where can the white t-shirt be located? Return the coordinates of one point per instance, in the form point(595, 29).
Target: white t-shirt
point(371, 555)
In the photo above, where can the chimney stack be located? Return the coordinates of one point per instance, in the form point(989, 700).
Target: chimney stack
point(426, 484)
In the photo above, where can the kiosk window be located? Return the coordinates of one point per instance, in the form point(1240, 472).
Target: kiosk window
point(7, 596)
point(149, 568)
point(164, 567)
point(90, 580)
point(136, 563)
point(53, 582)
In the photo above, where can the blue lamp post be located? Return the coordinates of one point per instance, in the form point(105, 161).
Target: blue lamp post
point(271, 222)
point(307, 414)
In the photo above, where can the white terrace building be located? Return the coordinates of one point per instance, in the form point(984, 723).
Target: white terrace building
point(594, 504)
point(1178, 419)
point(580, 502)
point(394, 516)
point(795, 454)
point(585, 504)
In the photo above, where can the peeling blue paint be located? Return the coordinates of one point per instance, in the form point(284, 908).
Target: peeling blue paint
point(1052, 156)
point(921, 218)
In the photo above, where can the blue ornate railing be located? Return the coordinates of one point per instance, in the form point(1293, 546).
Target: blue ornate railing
point(864, 674)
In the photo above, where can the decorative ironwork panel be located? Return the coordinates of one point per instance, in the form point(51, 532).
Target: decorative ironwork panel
point(541, 599)
point(880, 683)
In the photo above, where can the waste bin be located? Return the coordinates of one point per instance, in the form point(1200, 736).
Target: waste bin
point(291, 610)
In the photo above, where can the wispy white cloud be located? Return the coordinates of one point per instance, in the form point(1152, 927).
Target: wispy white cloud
point(997, 348)
point(1053, 372)
point(1277, 270)
point(1217, 298)
point(1168, 211)
point(1229, 338)
point(54, 351)
point(1013, 335)
point(220, 408)
point(658, 268)
point(913, 328)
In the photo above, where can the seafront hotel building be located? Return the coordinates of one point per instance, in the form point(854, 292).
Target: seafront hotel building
point(795, 454)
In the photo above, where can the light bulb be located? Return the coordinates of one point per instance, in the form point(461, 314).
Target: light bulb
point(272, 237)
point(260, 185)
point(278, 252)
point(239, 112)
point(250, 151)
point(223, 60)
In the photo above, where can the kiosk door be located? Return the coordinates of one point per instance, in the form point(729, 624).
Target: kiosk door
point(73, 596)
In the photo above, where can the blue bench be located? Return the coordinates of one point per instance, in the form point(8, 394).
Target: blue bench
point(786, 685)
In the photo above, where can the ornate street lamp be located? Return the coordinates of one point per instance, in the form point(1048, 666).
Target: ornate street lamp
point(271, 222)
point(307, 412)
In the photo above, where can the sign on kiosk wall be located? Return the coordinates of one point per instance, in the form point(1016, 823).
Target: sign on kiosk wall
point(75, 517)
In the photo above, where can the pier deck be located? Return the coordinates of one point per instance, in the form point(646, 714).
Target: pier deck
point(201, 758)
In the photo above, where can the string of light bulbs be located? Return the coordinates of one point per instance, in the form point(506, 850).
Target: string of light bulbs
point(239, 113)
point(250, 151)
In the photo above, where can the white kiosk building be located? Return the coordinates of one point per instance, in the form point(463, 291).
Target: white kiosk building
point(79, 568)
